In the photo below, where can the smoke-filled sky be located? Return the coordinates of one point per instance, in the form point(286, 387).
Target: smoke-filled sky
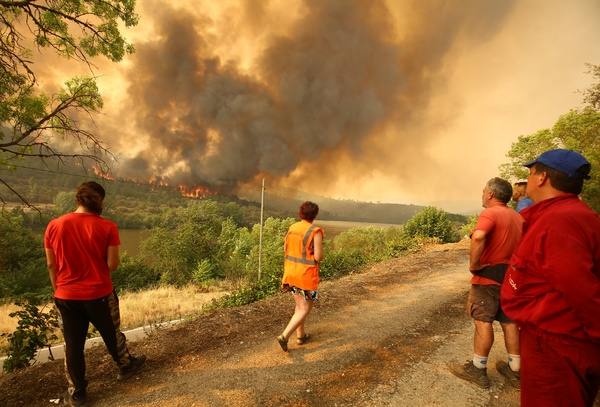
point(394, 101)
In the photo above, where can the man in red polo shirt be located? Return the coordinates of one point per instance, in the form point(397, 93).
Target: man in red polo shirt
point(493, 241)
point(82, 249)
point(552, 287)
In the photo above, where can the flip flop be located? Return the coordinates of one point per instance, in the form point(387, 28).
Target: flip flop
point(282, 342)
point(303, 339)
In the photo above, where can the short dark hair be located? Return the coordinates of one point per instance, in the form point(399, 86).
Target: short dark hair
point(90, 195)
point(560, 180)
point(501, 189)
point(308, 211)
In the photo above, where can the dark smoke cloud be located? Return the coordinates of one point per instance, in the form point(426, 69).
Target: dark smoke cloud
point(341, 73)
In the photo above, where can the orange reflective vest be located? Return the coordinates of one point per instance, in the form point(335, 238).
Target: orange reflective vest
point(301, 270)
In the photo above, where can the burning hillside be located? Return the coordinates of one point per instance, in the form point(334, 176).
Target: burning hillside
point(195, 191)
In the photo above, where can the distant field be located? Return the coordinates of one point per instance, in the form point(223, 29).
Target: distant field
point(333, 228)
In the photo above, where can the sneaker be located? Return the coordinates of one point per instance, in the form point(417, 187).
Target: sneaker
point(512, 377)
point(75, 400)
point(303, 339)
point(470, 373)
point(282, 342)
point(134, 366)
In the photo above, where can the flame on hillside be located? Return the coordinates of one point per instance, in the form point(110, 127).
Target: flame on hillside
point(195, 192)
point(100, 173)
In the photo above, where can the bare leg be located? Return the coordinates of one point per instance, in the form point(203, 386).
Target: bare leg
point(300, 330)
point(301, 312)
point(484, 338)
point(511, 337)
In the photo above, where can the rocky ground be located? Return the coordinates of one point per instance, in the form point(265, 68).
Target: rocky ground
point(380, 337)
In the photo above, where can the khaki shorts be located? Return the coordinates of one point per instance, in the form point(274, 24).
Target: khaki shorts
point(484, 304)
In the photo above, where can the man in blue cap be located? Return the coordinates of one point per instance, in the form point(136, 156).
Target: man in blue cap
point(552, 287)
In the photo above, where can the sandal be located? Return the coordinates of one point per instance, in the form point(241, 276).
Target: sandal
point(303, 339)
point(282, 342)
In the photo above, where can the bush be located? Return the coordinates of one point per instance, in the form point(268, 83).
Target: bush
point(134, 275)
point(35, 330)
point(369, 241)
point(204, 272)
point(468, 228)
point(247, 294)
point(431, 223)
point(338, 263)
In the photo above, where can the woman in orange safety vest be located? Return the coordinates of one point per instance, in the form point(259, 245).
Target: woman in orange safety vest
point(303, 251)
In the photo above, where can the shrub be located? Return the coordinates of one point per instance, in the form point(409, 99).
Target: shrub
point(247, 294)
point(35, 330)
point(338, 263)
point(204, 271)
point(468, 228)
point(431, 222)
point(134, 275)
point(369, 241)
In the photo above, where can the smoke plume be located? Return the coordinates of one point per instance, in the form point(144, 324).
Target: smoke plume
point(332, 91)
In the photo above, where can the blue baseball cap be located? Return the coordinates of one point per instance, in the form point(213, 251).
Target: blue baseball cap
point(569, 162)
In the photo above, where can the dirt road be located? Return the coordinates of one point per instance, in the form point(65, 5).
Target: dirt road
point(379, 338)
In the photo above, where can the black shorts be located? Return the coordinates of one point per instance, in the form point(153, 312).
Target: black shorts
point(484, 304)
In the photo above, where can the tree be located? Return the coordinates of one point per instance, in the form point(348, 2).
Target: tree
point(576, 130)
point(64, 202)
point(591, 96)
point(30, 120)
point(22, 260)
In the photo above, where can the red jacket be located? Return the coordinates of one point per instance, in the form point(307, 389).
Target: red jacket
point(553, 282)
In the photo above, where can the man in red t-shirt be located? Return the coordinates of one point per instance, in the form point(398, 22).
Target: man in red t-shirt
point(493, 241)
point(552, 287)
point(82, 249)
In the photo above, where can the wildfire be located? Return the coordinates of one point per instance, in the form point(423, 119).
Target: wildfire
point(158, 181)
point(197, 191)
point(194, 192)
point(100, 173)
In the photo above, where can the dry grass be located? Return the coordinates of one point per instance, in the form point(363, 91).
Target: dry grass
point(7, 324)
point(162, 304)
point(140, 308)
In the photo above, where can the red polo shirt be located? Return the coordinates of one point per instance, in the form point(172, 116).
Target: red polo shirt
point(80, 244)
point(503, 227)
point(553, 282)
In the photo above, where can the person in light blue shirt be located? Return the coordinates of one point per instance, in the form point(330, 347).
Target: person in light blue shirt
point(520, 195)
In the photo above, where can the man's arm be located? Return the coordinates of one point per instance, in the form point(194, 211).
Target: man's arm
point(112, 258)
point(477, 246)
point(318, 246)
point(51, 264)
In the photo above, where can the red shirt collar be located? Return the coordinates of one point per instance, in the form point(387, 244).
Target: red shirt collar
point(531, 213)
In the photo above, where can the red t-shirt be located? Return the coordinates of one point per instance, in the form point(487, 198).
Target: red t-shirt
point(553, 282)
point(80, 244)
point(503, 226)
